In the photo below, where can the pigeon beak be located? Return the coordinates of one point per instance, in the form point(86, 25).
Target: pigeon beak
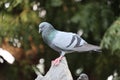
point(39, 30)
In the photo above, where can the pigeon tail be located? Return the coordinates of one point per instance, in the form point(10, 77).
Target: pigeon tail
point(87, 47)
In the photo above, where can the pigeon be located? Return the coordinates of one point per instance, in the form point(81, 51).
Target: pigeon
point(83, 76)
point(64, 42)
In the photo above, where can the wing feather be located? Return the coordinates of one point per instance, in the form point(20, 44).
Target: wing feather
point(67, 41)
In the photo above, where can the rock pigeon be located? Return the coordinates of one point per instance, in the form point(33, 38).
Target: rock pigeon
point(64, 42)
point(83, 76)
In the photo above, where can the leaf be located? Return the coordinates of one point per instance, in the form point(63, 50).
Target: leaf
point(56, 3)
point(111, 39)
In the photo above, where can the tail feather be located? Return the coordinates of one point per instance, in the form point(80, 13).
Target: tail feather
point(88, 47)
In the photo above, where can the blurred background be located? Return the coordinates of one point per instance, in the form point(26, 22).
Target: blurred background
point(24, 54)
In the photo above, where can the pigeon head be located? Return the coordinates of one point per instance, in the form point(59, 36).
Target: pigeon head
point(83, 76)
point(44, 26)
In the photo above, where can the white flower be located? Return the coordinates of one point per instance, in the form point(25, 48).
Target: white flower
point(7, 5)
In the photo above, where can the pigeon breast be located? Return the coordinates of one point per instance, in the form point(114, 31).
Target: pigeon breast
point(48, 35)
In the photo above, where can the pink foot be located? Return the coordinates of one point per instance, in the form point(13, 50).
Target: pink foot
point(57, 61)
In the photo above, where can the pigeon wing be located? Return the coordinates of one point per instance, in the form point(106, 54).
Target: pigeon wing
point(72, 42)
point(67, 41)
point(62, 39)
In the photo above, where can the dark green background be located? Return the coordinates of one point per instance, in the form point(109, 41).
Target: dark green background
point(99, 20)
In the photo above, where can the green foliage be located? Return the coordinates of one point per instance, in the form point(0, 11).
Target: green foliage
point(56, 3)
point(20, 21)
point(111, 38)
point(111, 50)
point(17, 72)
point(106, 65)
point(94, 19)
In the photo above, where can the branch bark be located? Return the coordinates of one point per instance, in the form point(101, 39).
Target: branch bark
point(60, 72)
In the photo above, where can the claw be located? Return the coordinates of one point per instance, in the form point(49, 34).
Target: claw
point(57, 61)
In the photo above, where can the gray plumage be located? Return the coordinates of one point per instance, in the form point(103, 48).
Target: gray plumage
point(64, 42)
point(83, 76)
